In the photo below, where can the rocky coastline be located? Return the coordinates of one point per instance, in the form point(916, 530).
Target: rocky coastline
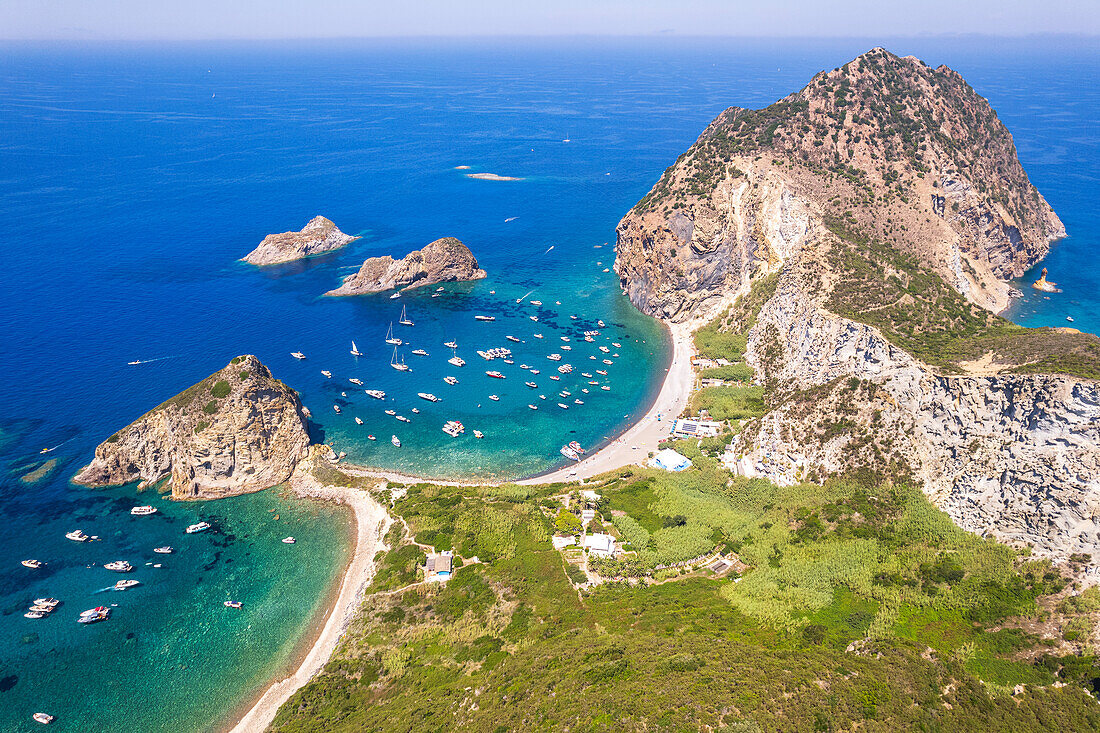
point(444, 260)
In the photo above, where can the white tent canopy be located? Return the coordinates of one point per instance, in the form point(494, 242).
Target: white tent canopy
point(670, 460)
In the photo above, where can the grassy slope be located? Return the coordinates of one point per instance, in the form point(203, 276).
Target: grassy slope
point(510, 644)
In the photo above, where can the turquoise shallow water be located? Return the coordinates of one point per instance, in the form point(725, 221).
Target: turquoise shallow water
point(133, 177)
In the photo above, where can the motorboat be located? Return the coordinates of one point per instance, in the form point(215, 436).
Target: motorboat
point(578, 402)
point(534, 318)
point(569, 453)
point(440, 289)
point(495, 375)
point(143, 511)
point(395, 296)
point(538, 335)
point(288, 540)
point(608, 361)
point(536, 302)
point(592, 381)
point(586, 375)
point(513, 339)
point(534, 371)
point(565, 393)
point(233, 604)
point(32, 564)
point(395, 441)
point(336, 409)
point(416, 410)
point(450, 380)
point(50, 603)
point(554, 357)
point(119, 566)
point(36, 614)
point(616, 344)
point(376, 393)
point(390, 338)
point(533, 407)
point(166, 550)
point(485, 318)
point(356, 381)
point(420, 352)
point(94, 615)
point(427, 396)
point(327, 373)
point(358, 421)
point(451, 344)
point(343, 394)
point(555, 377)
point(354, 351)
point(391, 413)
point(77, 535)
point(563, 406)
point(542, 397)
point(601, 372)
point(199, 527)
point(454, 428)
point(457, 360)
point(584, 389)
point(479, 434)
point(494, 398)
point(565, 369)
point(605, 350)
point(124, 584)
point(567, 347)
point(605, 388)
point(532, 385)
point(509, 361)
point(565, 338)
point(43, 718)
point(371, 437)
point(404, 320)
point(601, 324)
point(402, 418)
point(297, 355)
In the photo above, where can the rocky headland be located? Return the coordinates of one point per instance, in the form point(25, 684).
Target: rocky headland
point(237, 431)
point(320, 235)
point(873, 219)
point(1045, 285)
point(444, 260)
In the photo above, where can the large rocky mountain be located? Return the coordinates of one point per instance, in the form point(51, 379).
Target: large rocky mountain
point(877, 214)
point(239, 430)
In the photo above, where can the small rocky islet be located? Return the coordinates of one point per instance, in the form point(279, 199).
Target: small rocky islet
point(444, 260)
point(319, 236)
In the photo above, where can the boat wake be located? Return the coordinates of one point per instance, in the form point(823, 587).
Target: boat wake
point(149, 361)
point(51, 450)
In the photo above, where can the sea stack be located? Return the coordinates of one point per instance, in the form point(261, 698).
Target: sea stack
point(320, 235)
point(444, 260)
point(1045, 285)
point(237, 431)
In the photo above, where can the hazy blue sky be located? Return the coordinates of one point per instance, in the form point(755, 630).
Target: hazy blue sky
point(208, 19)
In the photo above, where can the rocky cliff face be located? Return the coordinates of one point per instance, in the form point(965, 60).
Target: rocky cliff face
point(237, 431)
point(889, 199)
point(444, 260)
point(317, 237)
point(883, 145)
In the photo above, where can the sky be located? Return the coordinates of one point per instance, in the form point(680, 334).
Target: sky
point(267, 19)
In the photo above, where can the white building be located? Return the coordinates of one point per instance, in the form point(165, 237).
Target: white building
point(695, 428)
point(600, 545)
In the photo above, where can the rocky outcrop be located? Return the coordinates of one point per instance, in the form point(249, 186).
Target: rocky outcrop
point(444, 260)
point(237, 431)
point(882, 148)
point(317, 237)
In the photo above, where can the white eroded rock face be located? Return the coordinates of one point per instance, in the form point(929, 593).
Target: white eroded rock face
point(239, 430)
point(317, 237)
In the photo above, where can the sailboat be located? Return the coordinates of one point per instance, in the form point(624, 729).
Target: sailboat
point(400, 366)
point(404, 318)
point(355, 350)
point(390, 339)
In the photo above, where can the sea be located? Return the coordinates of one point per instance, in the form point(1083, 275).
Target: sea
point(134, 176)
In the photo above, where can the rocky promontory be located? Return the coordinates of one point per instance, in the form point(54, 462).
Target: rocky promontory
point(320, 235)
point(237, 431)
point(444, 260)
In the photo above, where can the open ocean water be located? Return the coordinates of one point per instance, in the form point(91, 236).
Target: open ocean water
point(132, 179)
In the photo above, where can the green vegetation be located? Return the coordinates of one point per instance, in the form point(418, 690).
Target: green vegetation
point(220, 390)
point(732, 373)
point(730, 402)
point(508, 644)
point(200, 426)
point(716, 344)
point(210, 407)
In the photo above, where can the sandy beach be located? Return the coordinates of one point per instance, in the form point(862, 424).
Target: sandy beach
point(373, 521)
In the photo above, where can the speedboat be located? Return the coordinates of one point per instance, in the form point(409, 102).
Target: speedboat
point(371, 437)
point(532, 385)
point(601, 324)
point(356, 380)
point(533, 407)
point(586, 375)
point(390, 338)
point(479, 434)
point(119, 566)
point(542, 397)
point(485, 318)
point(77, 535)
point(584, 389)
point(565, 338)
point(233, 604)
point(416, 410)
point(536, 302)
point(450, 380)
point(402, 418)
point(395, 295)
point(420, 352)
point(94, 615)
point(592, 381)
point(395, 441)
point(534, 318)
point(578, 402)
point(509, 361)
point(166, 550)
point(608, 361)
point(297, 355)
point(512, 339)
point(439, 289)
point(554, 357)
point(427, 396)
point(200, 527)
point(336, 409)
point(538, 335)
point(605, 388)
point(50, 603)
point(358, 421)
point(327, 373)
point(565, 393)
point(616, 344)
point(143, 511)
point(457, 361)
point(43, 718)
point(495, 375)
point(33, 564)
point(569, 453)
point(605, 350)
point(343, 394)
point(453, 428)
point(354, 351)
point(555, 377)
point(289, 540)
point(563, 406)
point(451, 344)
point(376, 393)
point(567, 347)
point(124, 584)
point(534, 371)
point(391, 413)
point(404, 320)
point(494, 398)
point(602, 372)
point(36, 614)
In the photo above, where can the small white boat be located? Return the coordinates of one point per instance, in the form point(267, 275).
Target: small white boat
point(602, 372)
point(450, 380)
point(36, 614)
point(391, 413)
point(450, 344)
point(94, 615)
point(567, 347)
point(479, 434)
point(427, 396)
point(563, 406)
point(1069, 318)
point(233, 604)
point(143, 511)
point(533, 407)
point(50, 603)
point(77, 535)
point(32, 564)
point(358, 421)
point(608, 361)
point(289, 540)
point(538, 335)
point(578, 402)
point(495, 375)
point(569, 453)
point(43, 718)
point(336, 409)
point(327, 373)
point(542, 397)
point(402, 418)
point(199, 527)
point(616, 345)
point(439, 290)
point(395, 441)
point(534, 371)
point(605, 388)
point(458, 361)
point(376, 393)
point(555, 377)
point(601, 324)
point(371, 437)
point(554, 357)
point(485, 318)
point(354, 351)
point(536, 302)
point(395, 296)
point(513, 339)
point(494, 398)
point(534, 318)
point(390, 338)
point(532, 385)
point(357, 381)
point(297, 355)
point(420, 352)
point(119, 566)
point(124, 584)
point(453, 428)
point(404, 320)
point(343, 394)
point(166, 550)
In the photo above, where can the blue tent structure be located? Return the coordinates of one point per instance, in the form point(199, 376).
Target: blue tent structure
point(670, 460)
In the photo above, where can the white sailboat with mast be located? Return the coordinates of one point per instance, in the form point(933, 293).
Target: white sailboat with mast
point(355, 350)
point(390, 338)
point(404, 321)
point(400, 366)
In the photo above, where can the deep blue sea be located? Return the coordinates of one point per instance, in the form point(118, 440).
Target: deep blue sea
point(133, 178)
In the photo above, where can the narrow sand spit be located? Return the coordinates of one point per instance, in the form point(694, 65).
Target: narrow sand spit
point(372, 524)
